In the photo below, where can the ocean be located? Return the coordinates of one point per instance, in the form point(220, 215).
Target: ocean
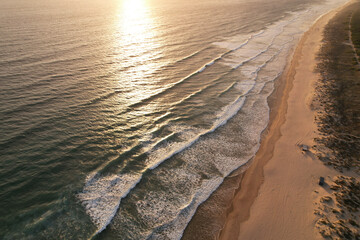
point(118, 118)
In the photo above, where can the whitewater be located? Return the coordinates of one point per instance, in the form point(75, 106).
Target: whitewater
point(122, 128)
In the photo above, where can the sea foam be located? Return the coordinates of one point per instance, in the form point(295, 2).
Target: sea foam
point(260, 58)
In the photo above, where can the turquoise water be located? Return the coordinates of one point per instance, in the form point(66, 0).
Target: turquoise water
point(125, 115)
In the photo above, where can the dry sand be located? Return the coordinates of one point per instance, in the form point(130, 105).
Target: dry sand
point(278, 192)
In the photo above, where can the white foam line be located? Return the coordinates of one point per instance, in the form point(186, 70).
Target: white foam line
point(202, 196)
point(198, 194)
point(235, 49)
point(100, 191)
point(232, 109)
point(205, 198)
point(125, 187)
point(97, 200)
point(93, 180)
point(94, 184)
point(201, 69)
point(267, 47)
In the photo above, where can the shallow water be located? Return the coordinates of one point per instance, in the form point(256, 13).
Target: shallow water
point(126, 115)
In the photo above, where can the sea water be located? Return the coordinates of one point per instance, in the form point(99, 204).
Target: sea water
point(120, 117)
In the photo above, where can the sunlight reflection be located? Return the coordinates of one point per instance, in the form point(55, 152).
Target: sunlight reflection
point(136, 21)
point(137, 49)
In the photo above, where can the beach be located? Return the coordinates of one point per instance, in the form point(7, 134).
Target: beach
point(280, 192)
point(141, 119)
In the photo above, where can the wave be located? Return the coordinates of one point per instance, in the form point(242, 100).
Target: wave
point(200, 70)
point(190, 56)
point(142, 102)
point(101, 195)
point(98, 206)
point(103, 97)
point(228, 89)
point(153, 97)
point(176, 222)
point(184, 214)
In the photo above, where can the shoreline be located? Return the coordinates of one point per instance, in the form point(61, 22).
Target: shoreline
point(257, 202)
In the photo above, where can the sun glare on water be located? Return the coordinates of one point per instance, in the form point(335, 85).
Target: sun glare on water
point(136, 44)
point(135, 20)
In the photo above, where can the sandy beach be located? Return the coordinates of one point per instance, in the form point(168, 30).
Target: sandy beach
point(280, 190)
point(191, 120)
